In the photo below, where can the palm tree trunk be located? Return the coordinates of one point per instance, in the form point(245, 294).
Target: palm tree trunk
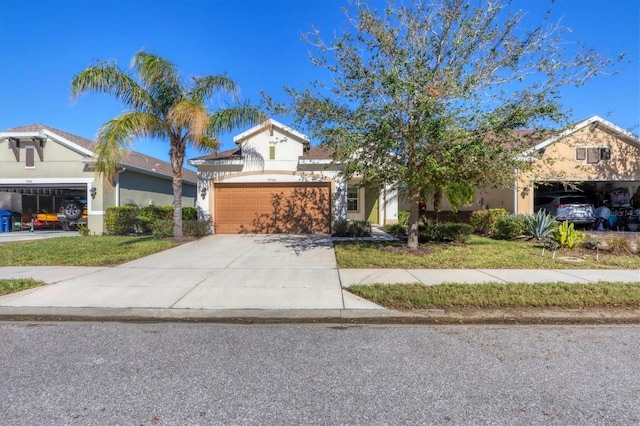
point(177, 153)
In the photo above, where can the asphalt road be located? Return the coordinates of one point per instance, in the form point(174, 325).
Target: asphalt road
point(186, 374)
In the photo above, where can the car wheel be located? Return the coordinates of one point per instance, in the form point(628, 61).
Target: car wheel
point(72, 210)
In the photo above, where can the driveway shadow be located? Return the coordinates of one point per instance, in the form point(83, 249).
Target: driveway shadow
point(298, 243)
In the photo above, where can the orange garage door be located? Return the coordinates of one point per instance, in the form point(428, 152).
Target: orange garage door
point(267, 208)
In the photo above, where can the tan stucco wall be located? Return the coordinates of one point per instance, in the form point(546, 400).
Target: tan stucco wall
point(559, 159)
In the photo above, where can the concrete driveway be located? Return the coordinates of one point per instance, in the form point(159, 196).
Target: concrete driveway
point(216, 272)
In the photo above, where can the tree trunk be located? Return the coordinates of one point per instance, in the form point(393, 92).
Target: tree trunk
point(176, 154)
point(437, 200)
point(414, 219)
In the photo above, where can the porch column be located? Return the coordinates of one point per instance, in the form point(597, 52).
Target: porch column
point(340, 198)
point(389, 204)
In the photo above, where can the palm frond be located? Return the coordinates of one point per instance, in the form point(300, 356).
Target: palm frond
point(208, 144)
point(191, 117)
point(206, 86)
point(115, 136)
point(161, 78)
point(230, 119)
point(106, 77)
point(153, 69)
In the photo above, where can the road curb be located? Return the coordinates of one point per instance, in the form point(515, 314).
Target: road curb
point(331, 316)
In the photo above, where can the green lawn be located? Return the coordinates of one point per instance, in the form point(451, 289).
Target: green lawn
point(479, 253)
point(13, 285)
point(81, 251)
point(495, 295)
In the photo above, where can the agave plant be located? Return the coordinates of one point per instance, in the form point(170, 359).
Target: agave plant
point(542, 226)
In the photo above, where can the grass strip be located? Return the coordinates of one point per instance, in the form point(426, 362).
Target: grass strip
point(496, 295)
point(14, 285)
point(81, 251)
point(479, 253)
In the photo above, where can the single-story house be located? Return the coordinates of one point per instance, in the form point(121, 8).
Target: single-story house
point(274, 181)
point(593, 156)
point(41, 166)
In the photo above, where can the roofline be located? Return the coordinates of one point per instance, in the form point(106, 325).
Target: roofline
point(317, 161)
point(580, 125)
point(273, 122)
point(127, 166)
point(49, 135)
point(216, 161)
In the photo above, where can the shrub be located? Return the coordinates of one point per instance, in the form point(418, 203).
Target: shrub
point(121, 220)
point(142, 220)
point(567, 236)
point(162, 228)
point(484, 221)
point(445, 232)
point(351, 228)
point(149, 214)
point(340, 228)
point(541, 225)
point(619, 245)
point(510, 227)
point(188, 213)
point(395, 229)
point(83, 230)
point(359, 228)
point(403, 218)
point(195, 228)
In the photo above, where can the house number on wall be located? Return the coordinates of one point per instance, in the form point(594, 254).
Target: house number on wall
point(271, 179)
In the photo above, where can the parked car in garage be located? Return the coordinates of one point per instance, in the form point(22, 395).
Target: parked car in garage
point(573, 208)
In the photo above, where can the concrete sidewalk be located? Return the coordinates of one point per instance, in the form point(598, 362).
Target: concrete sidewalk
point(247, 278)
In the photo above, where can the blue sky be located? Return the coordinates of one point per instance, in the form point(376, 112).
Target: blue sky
point(43, 44)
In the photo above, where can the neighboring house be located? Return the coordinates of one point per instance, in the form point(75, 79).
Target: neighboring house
point(40, 166)
point(275, 182)
point(594, 156)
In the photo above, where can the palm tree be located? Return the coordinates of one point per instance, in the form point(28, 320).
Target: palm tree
point(162, 106)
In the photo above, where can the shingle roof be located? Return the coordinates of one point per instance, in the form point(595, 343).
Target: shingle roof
point(223, 155)
point(132, 158)
point(318, 153)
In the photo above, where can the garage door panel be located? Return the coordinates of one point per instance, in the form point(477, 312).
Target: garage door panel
point(272, 208)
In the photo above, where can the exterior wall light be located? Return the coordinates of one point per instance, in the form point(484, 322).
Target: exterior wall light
point(93, 191)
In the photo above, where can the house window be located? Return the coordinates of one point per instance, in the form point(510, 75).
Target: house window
point(29, 151)
point(352, 198)
point(272, 152)
point(581, 153)
point(593, 155)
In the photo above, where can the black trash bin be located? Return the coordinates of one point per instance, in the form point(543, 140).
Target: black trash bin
point(16, 221)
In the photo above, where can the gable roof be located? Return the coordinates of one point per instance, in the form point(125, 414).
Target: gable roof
point(595, 120)
point(86, 146)
point(234, 153)
point(318, 153)
point(270, 124)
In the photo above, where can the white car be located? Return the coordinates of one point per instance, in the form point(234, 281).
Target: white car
point(573, 208)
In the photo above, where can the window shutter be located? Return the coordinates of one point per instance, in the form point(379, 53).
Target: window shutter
point(29, 157)
point(581, 153)
point(593, 155)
